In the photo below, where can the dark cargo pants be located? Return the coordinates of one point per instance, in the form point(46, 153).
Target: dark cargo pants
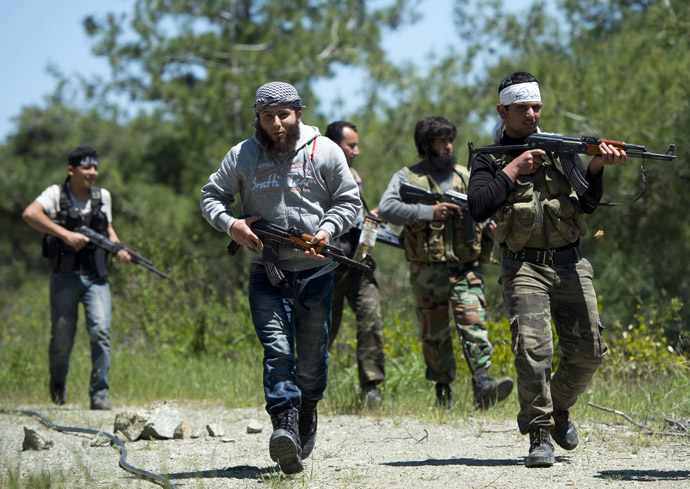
point(535, 294)
point(362, 294)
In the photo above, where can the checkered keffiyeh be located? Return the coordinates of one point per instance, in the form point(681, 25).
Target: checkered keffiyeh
point(277, 93)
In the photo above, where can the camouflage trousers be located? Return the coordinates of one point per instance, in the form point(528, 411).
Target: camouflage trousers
point(436, 286)
point(362, 294)
point(535, 294)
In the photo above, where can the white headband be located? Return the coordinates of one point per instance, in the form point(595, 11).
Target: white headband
point(521, 92)
point(88, 161)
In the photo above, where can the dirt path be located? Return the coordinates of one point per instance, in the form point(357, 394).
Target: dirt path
point(351, 452)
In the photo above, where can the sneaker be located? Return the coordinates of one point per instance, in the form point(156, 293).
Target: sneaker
point(565, 432)
point(57, 393)
point(488, 391)
point(540, 449)
point(284, 446)
point(308, 419)
point(101, 403)
point(371, 395)
point(444, 396)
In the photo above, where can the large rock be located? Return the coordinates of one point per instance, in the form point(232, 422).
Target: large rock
point(129, 425)
point(161, 423)
point(159, 420)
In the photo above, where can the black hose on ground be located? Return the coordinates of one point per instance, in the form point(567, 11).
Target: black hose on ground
point(141, 473)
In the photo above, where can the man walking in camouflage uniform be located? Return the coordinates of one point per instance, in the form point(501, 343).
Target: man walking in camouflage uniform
point(358, 287)
point(444, 248)
point(543, 273)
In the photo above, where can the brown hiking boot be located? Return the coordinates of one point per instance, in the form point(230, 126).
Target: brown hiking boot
point(565, 432)
point(284, 446)
point(540, 449)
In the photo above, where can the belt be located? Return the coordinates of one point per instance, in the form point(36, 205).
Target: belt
point(545, 257)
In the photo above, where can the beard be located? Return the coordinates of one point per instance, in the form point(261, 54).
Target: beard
point(443, 163)
point(285, 145)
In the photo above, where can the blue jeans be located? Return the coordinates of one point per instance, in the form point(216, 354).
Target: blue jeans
point(293, 332)
point(67, 290)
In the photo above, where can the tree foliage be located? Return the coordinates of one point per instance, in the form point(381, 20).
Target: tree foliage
point(612, 68)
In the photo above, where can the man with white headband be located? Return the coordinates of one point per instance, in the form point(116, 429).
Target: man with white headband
point(544, 276)
point(78, 273)
point(290, 175)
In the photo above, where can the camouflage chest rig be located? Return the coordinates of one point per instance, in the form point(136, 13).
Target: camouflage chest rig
point(455, 239)
point(542, 212)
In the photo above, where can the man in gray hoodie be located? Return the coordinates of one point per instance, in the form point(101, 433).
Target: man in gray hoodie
point(290, 175)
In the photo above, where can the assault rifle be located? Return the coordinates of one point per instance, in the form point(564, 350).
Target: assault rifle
point(273, 235)
point(570, 146)
point(412, 194)
point(103, 242)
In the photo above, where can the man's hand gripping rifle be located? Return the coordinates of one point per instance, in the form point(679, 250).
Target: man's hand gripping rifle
point(572, 167)
point(273, 235)
point(412, 194)
point(110, 246)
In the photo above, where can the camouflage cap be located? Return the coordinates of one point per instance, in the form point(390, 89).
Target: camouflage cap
point(276, 93)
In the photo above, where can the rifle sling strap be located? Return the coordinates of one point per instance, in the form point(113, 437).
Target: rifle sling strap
point(276, 276)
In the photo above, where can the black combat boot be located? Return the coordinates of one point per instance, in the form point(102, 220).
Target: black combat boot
point(371, 396)
point(284, 446)
point(57, 393)
point(488, 391)
point(308, 418)
point(540, 449)
point(565, 432)
point(444, 396)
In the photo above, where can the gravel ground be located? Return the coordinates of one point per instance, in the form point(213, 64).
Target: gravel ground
point(352, 451)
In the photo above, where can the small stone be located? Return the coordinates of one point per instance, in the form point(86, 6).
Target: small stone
point(183, 431)
point(214, 430)
point(254, 426)
point(34, 441)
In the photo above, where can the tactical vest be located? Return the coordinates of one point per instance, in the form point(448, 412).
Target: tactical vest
point(543, 212)
point(441, 241)
point(90, 258)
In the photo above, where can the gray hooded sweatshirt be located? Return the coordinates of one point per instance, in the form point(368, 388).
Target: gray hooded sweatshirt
point(311, 189)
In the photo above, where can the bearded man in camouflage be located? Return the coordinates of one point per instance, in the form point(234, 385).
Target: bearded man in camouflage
point(543, 273)
point(444, 248)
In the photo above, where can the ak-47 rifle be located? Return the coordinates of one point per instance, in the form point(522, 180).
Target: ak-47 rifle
point(273, 235)
point(568, 147)
point(98, 239)
point(412, 194)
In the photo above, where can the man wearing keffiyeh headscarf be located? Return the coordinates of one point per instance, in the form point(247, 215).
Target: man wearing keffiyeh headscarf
point(543, 272)
point(290, 175)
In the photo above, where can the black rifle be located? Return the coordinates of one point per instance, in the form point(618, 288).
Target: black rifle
point(589, 145)
point(273, 235)
point(412, 194)
point(99, 240)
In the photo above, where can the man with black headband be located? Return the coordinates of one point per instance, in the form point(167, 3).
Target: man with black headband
point(357, 286)
point(78, 273)
point(543, 273)
point(291, 176)
point(444, 248)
